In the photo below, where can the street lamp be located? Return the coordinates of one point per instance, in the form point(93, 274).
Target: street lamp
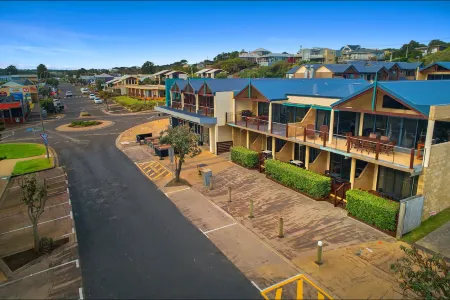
point(40, 111)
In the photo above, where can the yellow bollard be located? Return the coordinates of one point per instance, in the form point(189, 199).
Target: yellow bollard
point(319, 253)
point(280, 228)
point(251, 210)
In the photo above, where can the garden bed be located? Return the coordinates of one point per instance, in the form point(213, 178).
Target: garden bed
point(18, 260)
point(32, 165)
point(82, 124)
point(137, 105)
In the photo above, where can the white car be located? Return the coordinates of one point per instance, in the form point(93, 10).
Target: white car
point(91, 96)
point(68, 94)
point(97, 100)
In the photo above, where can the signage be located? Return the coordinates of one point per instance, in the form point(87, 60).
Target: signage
point(17, 120)
point(3, 94)
point(26, 90)
point(29, 129)
point(17, 96)
point(15, 90)
point(44, 137)
point(33, 89)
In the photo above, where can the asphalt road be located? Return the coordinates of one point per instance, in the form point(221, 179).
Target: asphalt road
point(133, 242)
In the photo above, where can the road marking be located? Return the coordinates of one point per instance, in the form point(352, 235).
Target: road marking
point(177, 191)
point(64, 203)
point(205, 232)
point(40, 272)
point(80, 291)
point(256, 286)
point(32, 225)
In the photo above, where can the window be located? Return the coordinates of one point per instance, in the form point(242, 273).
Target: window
point(322, 118)
point(438, 77)
point(441, 132)
point(299, 152)
point(346, 121)
point(313, 153)
point(396, 184)
point(389, 102)
point(339, 166)
point(279, 144)
point(263, 109)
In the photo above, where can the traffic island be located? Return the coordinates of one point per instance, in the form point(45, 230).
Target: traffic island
point(85, 125)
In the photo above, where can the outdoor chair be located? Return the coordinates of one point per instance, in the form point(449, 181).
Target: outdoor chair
point(310, 132)
point(324, 129)
point(373, 136)
point(348, 135)
point(384, 138)
point(388, 148)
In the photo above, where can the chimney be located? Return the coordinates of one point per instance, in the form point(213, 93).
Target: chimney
point(311, 73)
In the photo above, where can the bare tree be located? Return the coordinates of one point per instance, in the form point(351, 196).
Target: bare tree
point(34, 195)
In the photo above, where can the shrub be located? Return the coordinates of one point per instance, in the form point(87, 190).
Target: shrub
point(84, 123)
point(85, 114)
point(373, 209)
point(310, 183)
point(244, 157)
point(45, 245)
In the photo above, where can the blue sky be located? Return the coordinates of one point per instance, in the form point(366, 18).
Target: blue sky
point(109, 34)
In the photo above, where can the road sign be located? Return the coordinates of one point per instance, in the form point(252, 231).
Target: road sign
point(44, 136)
point(29, 129)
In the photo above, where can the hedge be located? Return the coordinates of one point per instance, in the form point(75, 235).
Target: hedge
point(372, 209)
point(310, 183)
point(244, 157)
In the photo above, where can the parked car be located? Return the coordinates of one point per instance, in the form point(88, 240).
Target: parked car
point(68, 94)
point(91, 96)
point(97, 100)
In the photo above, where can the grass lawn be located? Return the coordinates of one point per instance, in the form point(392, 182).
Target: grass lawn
point(32, 165)
point(125, 100)
point(427, 226)
point(136, 105)
point(20, 150)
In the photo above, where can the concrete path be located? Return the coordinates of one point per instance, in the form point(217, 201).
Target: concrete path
point(438, 240)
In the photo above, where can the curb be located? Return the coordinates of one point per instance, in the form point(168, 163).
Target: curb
point(87, 128)
point(52, 152)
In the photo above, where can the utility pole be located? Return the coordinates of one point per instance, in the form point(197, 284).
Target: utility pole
point(407, 46)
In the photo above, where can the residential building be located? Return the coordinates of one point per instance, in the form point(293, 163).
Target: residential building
point(269, 59)
point(202, 104)
point(175, 74)
point(435, 71)
point(344, 53)
point(306, 71)
point(213, 73)
point(326, 124)
point(119, 86)
point(431, 49)
point(291, 72)
point(254, 55)
point(318, 55)
point(202, 73)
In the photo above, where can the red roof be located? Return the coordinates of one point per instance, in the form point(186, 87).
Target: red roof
point(5, 106)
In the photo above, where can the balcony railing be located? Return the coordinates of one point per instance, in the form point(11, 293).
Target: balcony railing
point(190, 107)
point(176, 105)
point(206, 111)
point(357, 146)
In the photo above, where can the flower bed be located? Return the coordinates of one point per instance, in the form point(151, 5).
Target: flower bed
point(372, 209)
point(304, 181)
point(244, 157)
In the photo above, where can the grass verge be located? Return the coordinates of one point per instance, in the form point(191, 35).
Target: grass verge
point(427, 226)
point(32, 165)
point(136, 105)
point(21, 150)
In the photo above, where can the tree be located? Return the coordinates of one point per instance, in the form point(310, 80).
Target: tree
point(99, 84)
point(41, 69)
point(438, 43)
point(53, 82)
point(148, 68)
point(438, 56)
point(34, 196)
point(221, 75)
point(11, 70)
point(425, 275)
point(184, 142)
point(145, 81)
point(105, 95)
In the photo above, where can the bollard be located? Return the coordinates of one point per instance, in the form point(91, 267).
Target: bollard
point(211, 183)
point(251, 210)
point(280, 228)
point(319, 253)
point(229, 194)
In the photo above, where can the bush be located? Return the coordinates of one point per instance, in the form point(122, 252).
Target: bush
point(45, 245)
point(244, 157)
point(310, 183)
point(373, 209)
point(84, 123)
point(85, 114)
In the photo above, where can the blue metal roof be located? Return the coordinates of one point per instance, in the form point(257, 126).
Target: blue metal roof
point(224, 85)
point(274, 89)
point(181, 83)
point(185, 115)
point(419, 94)
point(293, 70)
point(409, 66)
point(443, 64)
point(368, 69)
point(338, 68)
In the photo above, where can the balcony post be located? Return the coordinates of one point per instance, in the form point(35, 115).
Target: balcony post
point(411, 159)
point(287, 130)
point(246, 121)
point(348, 144)
point(377, 150)
point(324, 138)
point(304, 134)
point(226, 118)
point(331, 133)
point(257, 120)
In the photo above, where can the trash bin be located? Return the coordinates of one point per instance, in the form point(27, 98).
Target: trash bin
point(207, 174)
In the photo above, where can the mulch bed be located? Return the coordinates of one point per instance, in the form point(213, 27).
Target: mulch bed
point(20, 259)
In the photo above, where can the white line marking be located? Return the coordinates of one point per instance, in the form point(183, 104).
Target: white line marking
point(37, 273)
point(70, 202)
point(205, 232)
point(67, 190)
point(77, 263)
point(177, 191)
point(32, 225)
point(80, 291)
point(67, 234)
point(256, 286)
point(59, 204)
point(279, 282)
point(71, 215)
point(368, 249)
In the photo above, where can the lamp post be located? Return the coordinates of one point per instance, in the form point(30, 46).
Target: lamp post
point(40, 112)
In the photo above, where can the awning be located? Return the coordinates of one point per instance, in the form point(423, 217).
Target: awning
point(6, 106)
point(188, 116)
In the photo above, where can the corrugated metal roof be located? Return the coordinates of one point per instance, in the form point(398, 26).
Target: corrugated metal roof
point(316, 87)
point(202, 71)
point(338, 68)
point(443, 64)
point(174, 72)
point(224, 85)
point(213, 71)
point(260, 49)
point(419, 94)
point(368, 69)
point(293, 70)
point(409, 66)
point(277, 55)
point(160, 72)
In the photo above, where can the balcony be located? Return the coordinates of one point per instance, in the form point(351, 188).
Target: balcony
point(176, 105)
point(192, 108)
point(361, 147)
point(206, 111)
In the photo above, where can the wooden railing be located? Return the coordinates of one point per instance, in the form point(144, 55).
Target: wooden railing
point(206, 111)
point(176, 105)
point(190, 107)
point(339, 190)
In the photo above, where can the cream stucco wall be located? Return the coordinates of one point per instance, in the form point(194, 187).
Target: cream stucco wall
point(223, 103)
point(224, 133)
point(311, 100)
point(441, 112)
